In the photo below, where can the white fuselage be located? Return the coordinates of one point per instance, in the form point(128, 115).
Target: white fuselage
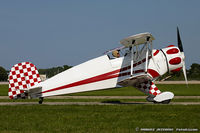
point(102, 73)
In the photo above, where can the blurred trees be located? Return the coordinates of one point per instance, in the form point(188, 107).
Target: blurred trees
point(50, 72)
point(192, 74)
point(3, 74)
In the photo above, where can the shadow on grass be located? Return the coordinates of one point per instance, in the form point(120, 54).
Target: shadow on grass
point(119, 102)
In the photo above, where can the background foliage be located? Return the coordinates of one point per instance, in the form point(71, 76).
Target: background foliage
point(50, 72)
point(3, 74)
point(192, 74)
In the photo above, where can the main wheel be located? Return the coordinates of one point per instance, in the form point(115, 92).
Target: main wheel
point(163, 102)
point(166, 101)
point(40, 100)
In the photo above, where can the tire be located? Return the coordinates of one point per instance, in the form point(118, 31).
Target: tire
point(40, 100)
point(163, 102)
point(166, 101)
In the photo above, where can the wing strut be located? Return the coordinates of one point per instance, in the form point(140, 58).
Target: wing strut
point(132, 61)
point(147, 54)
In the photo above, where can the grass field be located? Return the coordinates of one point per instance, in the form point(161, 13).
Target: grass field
point(96, 100)
point(101, 118)
point(177, 89)
point(74, 118)
point(3, 90)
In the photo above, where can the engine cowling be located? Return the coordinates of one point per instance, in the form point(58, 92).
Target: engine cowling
point(174, 58)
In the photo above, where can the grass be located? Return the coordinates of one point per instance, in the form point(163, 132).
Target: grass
point(3, 90)
point(181, 89)
point(94, 118)
point(177, 89)
point(95, 100)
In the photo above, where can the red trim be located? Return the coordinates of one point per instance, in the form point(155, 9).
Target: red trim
point(172, 51)
point(177, 69)
point(171, 46)
point(155, 53)
point(153, 73)
point(175, 61)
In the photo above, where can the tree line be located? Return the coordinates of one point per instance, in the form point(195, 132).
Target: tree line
point(50, 72)
point(192, 74)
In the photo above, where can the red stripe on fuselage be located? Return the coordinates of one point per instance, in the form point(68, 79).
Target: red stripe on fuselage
point(105, 76)
point(101, 77)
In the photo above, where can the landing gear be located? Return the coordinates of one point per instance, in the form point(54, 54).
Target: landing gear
point(163, 102)
point(166, 101)
point(40, 100)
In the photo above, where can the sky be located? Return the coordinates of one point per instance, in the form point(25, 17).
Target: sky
point(52, 33)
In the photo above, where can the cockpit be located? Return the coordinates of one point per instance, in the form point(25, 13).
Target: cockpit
point(116, 53)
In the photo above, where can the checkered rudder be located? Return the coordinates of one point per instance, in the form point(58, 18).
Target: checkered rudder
point(22, 76)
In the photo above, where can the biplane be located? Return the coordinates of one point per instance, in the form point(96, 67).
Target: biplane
point(136, 64)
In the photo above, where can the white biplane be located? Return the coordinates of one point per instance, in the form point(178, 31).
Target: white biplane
point(135, 64)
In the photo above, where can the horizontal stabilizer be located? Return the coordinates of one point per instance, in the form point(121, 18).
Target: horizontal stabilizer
point(32, 89)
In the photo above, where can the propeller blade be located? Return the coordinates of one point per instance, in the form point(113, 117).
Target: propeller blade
point(180, 46)
point(184, 73)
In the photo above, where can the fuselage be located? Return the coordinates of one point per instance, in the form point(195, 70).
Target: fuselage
point(104, 72)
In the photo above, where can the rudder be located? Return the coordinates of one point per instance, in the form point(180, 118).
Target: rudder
point(22, 76)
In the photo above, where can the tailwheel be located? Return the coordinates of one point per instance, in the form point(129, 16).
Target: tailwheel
point(41, 100)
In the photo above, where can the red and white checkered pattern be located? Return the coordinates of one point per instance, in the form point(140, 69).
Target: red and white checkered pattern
point(149, 87)
point(154, 90)
point(22, 76)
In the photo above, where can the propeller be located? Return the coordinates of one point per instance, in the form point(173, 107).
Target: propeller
point(180, 46)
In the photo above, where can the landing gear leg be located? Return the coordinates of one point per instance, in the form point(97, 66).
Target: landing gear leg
point(40, 100)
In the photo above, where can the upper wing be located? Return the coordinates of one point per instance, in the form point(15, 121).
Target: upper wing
point(137, 39)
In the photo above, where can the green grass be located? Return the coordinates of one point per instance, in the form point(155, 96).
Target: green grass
point(177, 89)
point(3, 90)
point(95, 100)
point(181, 89)
point(79, 119)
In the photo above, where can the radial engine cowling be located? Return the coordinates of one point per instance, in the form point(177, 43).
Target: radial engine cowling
point(174, 58)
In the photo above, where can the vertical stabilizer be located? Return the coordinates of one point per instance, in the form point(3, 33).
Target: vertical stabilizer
point(22, 76)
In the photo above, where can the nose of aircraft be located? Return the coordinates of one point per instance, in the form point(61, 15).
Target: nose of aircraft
point(175, 57)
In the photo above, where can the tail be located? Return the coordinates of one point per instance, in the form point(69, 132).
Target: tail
point(22, 76)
